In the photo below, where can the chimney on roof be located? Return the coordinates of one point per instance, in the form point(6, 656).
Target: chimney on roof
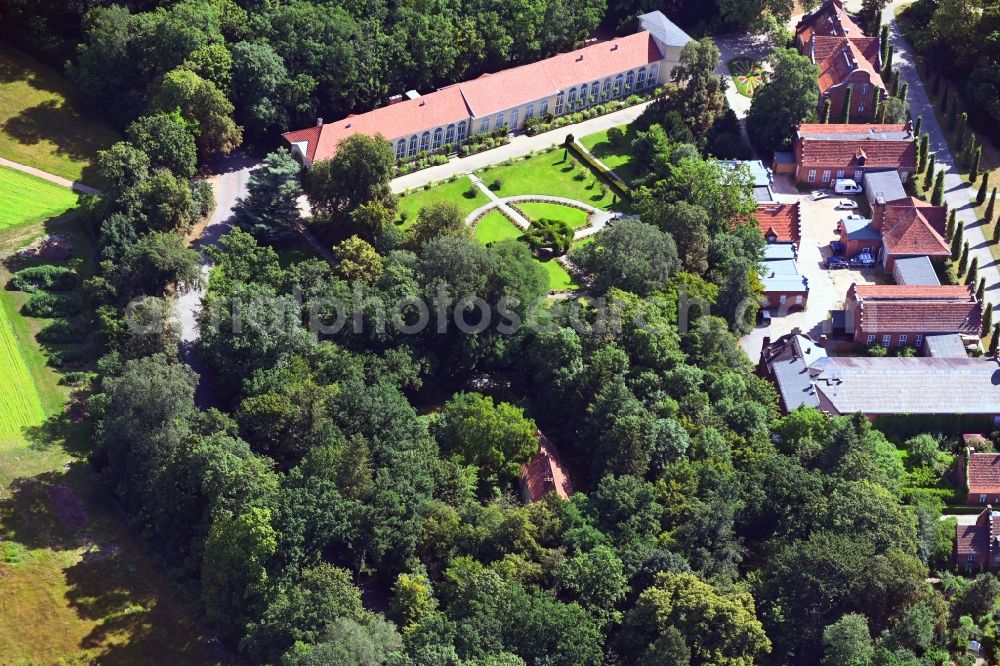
point(615, 47)
point(319, 122)
point(395, 99)
point(579, 57)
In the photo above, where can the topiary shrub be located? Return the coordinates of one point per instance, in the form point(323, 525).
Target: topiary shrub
point(52, 278)
point(59, 332)
point(554, 236)
point(496, 184)
point(50, 306)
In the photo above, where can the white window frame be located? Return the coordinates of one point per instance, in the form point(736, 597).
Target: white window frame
point(826, 175)
point(654, 75)
point(840, 173)
point(864, 89)
point(413, 146)
point(640, 78)
point(782, 299)
point(438, 138)
point(484, 126)
point(462, 132)
point(811, 177)
point(904, 175)
point(425, 141)
point(606, 90)
point(529, 111)
point(401, 149)
point(858, 174)
point(903, 339)
point(886, 340)
point(545, 107)
point(619, 87)
point(583, 95)
point(918, 340)
point(982, 500)
point(449, 134)
point(499, 122)
point(630, 80)
point(514, 117)
point(798, 299)
point(861, 106)
point(871, 340)
point(571, 98)
point(560, 103)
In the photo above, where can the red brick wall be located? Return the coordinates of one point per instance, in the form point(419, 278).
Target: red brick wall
point(861, 337)
point(838, 94)
point(773, 301)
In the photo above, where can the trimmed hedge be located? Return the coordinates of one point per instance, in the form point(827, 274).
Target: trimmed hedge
point(50, 306)
point(52, 278)
point(617, 184)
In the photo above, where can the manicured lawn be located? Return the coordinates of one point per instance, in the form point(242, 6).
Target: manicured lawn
point(25, 199)
point(574, 217)
point(20, 406)
point(456, 192)
point(38, 126)
point(559, 279)
point(748, 75)
point(495, 226)
point(617, 158)
point(549, 173)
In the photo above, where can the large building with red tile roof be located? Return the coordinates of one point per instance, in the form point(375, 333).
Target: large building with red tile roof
point(545, 474)
point(903, 315)
point(846, 59)
point(558, 85)
point(824, 153)
point(899, 229)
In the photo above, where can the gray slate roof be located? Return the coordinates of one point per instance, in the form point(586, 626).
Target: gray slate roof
point(947, 345)
point(861, 230)
point(916, 270)
point(860, 135)
point(884, 185)
point(763, 194)
point(792, 372)
point(663, 29)
point(890, 385)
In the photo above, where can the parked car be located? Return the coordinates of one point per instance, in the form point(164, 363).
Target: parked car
point(864, 260)
point(846, 186)
point(816, 195)
point(847, 204)
point(834, 263)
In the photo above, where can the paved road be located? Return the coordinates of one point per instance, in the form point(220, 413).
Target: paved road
point(958, 194)
point(519, 145)
point(229, 186)
point(52, 178)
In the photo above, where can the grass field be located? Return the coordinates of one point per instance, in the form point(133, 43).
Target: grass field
point(455, 191)
point(616, 158)
point(76, 587)
point(549, 173)
point(19, 403)
point(495, 226)
point(26, 199)
point(574, 217)
point(38, 125)
point(559, 279)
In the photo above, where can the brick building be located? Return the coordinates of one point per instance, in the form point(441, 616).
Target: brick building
point(847, 59)
point(977, 546)
point(824, 153)
point(544, 474)
point(903, 315)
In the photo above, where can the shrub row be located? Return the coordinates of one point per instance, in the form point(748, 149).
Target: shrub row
point(50, 306)
point(545, 123)
point(620, 187)
point(53, 278)
point(61, 331)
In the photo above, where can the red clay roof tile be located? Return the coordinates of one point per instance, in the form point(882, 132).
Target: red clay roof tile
point(983, 473)
point(780, 219)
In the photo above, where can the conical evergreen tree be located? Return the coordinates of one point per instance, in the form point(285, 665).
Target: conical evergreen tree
point(987, 319)
point(887, 62)
point(983, 184)
point(963, 261)
point(973, 274)
point(826, 110)
point(270, 209)
point(956, 241)
point(929, 176)
point(995, 340)
point(894, 83)
point(952, 114)
point(963, 121)
point(950, 229)
point(937, 196)
point(988, 216)
point(980, 293)
point(845, 115)
point(974, 169)
point(883, 41)
point(918, 125)
point(922, 149)
point(904, 88)
point(877, 108)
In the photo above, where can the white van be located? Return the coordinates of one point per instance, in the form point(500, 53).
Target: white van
point(846, 186)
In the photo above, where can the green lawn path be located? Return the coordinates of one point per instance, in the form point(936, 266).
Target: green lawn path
point(26, 199)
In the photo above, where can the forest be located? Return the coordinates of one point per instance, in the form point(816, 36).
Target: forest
point(350, 494)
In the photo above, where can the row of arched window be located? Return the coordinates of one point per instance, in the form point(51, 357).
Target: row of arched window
point(576, 98)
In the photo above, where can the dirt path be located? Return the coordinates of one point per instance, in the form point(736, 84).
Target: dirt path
point(52, 178)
